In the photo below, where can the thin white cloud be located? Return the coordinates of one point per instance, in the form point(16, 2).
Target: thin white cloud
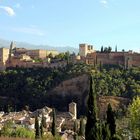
point(29, 30)
point(8, 10)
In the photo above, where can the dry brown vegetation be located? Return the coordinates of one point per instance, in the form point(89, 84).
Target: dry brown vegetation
point(117, 103)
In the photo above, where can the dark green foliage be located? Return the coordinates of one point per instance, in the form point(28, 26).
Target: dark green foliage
point(105, 132)
point(94, 133)
point(100, 66)
point(118, 82)
point(82, 127)
point(37, 129)
point(116, 137)
point(116, 49)
point(111, 120)
point(102, 49)
point(43, 121)
point(27, 108)
point(41, 129)
point(91, 126)
point(31, 86)
point(54, 132)
point(75, 136)
point(9, 131)
point(107, 49)
point(99, 129)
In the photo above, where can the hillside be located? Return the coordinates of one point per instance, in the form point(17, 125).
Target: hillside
point(41, 87)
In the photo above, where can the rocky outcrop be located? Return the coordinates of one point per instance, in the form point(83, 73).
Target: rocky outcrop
point(75, 89)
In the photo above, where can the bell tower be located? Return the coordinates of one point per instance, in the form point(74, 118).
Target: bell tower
point(73, 109)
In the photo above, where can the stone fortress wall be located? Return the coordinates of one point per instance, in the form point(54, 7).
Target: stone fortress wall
point(21, 57)
point(127, 59)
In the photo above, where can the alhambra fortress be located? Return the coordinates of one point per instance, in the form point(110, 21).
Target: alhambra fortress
point(126, 59)
point(22, 57)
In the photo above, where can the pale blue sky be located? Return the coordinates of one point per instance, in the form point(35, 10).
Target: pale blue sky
point(70, 22)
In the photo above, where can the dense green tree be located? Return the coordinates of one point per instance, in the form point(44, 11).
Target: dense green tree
point(43, 121)
point(41, 129)
point(134, 117)
point(91, 132)
point(105, 132)
point(116, 49)
point(50, 55)
point(109, 49)
point(37, 129)
point(111, 120)
point(67, 57)
point(102, 49)
point(105, 49)
point(82, 127)
point(36, 82)
point(54, 131)
point(75, 136)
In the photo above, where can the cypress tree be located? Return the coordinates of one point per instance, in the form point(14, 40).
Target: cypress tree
point(37, 131)
point(41, 129)
point(75, 129)
point(111, 120)
point(100, 130)
point(75, 136)
point(116, 49)
point(43, 121)
point(100, 66)
point(102, 49)
point(105, 132)
point(82, 127)
point(91, 125)
point(54, 124)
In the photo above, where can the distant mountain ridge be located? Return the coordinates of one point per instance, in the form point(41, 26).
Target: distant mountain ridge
point(6, 43)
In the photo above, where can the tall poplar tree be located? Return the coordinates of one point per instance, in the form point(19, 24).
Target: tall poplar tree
point(82, 127)
point(54, 124)
point(105, 132)
point(102, 49)
point(116, 49)
point(111, 120)
point(37, 130)
point(41, 129)
point(43, 121)
point(91, 132)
